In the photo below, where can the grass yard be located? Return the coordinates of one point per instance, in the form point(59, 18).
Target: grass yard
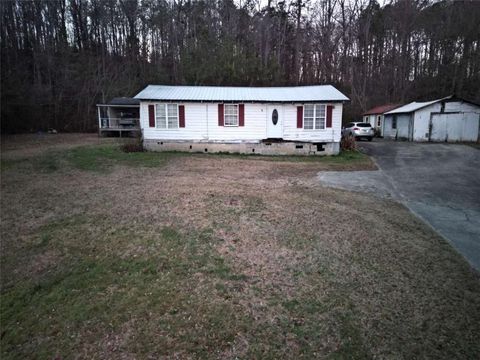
point(106, 254)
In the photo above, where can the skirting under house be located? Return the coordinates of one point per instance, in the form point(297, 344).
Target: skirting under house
point(302, 120)
point(259, 148)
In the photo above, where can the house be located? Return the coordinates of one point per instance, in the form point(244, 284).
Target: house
point(120, 116)
point(375, 116)
point(448, 119)
point(261, 120)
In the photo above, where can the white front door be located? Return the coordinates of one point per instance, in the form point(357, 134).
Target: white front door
point(275, 121)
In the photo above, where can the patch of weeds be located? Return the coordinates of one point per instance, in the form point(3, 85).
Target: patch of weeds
point(296, 239)
point(345, 157)
point(95, 294)
point(69, 300)
point(48, 163)
point(223, 206)
point(352, 345)
point(221, 270)
point(91, 158)
point(7, 164)
point(101, 158)
point(348, 143)
point(136, 146)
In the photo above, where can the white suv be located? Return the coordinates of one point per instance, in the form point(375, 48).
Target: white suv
point(359, 130)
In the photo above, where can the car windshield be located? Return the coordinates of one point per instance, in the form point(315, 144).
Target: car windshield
point(364, 125)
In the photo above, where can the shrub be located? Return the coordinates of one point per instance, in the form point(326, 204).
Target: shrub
point(348, 143)
point(131, 147)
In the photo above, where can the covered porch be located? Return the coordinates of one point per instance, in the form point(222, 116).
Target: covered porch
point(121, 116)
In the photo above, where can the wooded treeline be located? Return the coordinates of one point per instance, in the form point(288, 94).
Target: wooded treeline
point(61, 57)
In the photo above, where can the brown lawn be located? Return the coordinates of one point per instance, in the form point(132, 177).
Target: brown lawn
point(112, 255)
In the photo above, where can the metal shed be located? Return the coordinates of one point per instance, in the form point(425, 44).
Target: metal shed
point(450, 119)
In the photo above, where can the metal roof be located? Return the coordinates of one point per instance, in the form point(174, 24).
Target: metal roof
point(381, 109)
point(124, 101)
point(414, 106)
point(244, 94)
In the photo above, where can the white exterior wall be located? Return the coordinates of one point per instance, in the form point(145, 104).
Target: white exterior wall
point(195, 125)
point(461, 106)
point(373, 120)
point(421, 121)
point(254, 129)
point(201, 124)
point(456, 125)
point(403, 126)
point(291, 132)
point(452, 127)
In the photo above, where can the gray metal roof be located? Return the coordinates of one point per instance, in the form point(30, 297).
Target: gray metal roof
point(124, 101)
point(414, 106)
point(244, 94)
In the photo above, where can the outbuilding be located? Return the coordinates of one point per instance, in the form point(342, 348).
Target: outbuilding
point(302, 120)
point(375, 116)
point(450, 119)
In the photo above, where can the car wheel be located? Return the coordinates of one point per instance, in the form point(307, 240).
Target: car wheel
point(370, 138)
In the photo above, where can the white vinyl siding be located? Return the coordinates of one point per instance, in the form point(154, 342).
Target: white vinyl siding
point(202, 124)
point(230, 115)
point(314, 117)
point(166, 116)
point(292, 133)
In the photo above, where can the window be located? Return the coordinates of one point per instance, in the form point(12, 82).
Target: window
point(275, 117)
point(365, 118)
point(231, 115)
point(314, 117)
point(394, 122)
point(379, 120)
point(166, 116)
point(365, 125)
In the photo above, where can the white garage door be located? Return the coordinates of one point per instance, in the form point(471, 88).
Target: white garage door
point(455, 127)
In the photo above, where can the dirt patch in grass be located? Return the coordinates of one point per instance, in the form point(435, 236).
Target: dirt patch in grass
point(194, 256)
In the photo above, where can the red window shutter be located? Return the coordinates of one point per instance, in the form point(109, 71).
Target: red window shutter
point(329, 116)
point(151, 115)
point(181, 116)
point(241, 115)
point(299, 117)
point(220, 114)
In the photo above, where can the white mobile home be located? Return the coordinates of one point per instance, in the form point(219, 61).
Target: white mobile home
point(274, 120)
point(448, 119)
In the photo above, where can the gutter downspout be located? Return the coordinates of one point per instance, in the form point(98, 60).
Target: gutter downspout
point(206, 116)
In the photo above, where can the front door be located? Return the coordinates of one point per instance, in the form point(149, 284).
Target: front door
point(274, 121)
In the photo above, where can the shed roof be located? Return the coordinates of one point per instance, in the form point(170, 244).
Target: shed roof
point(244, 94)
point(381, 109)
point(414, 106)
point(124, 101)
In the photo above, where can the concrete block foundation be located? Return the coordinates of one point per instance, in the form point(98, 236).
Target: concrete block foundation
point(259, 148)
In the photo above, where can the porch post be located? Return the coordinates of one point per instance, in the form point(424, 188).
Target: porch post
point(99, 120)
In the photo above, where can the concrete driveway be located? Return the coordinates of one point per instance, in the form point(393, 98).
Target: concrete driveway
point(440, 183)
